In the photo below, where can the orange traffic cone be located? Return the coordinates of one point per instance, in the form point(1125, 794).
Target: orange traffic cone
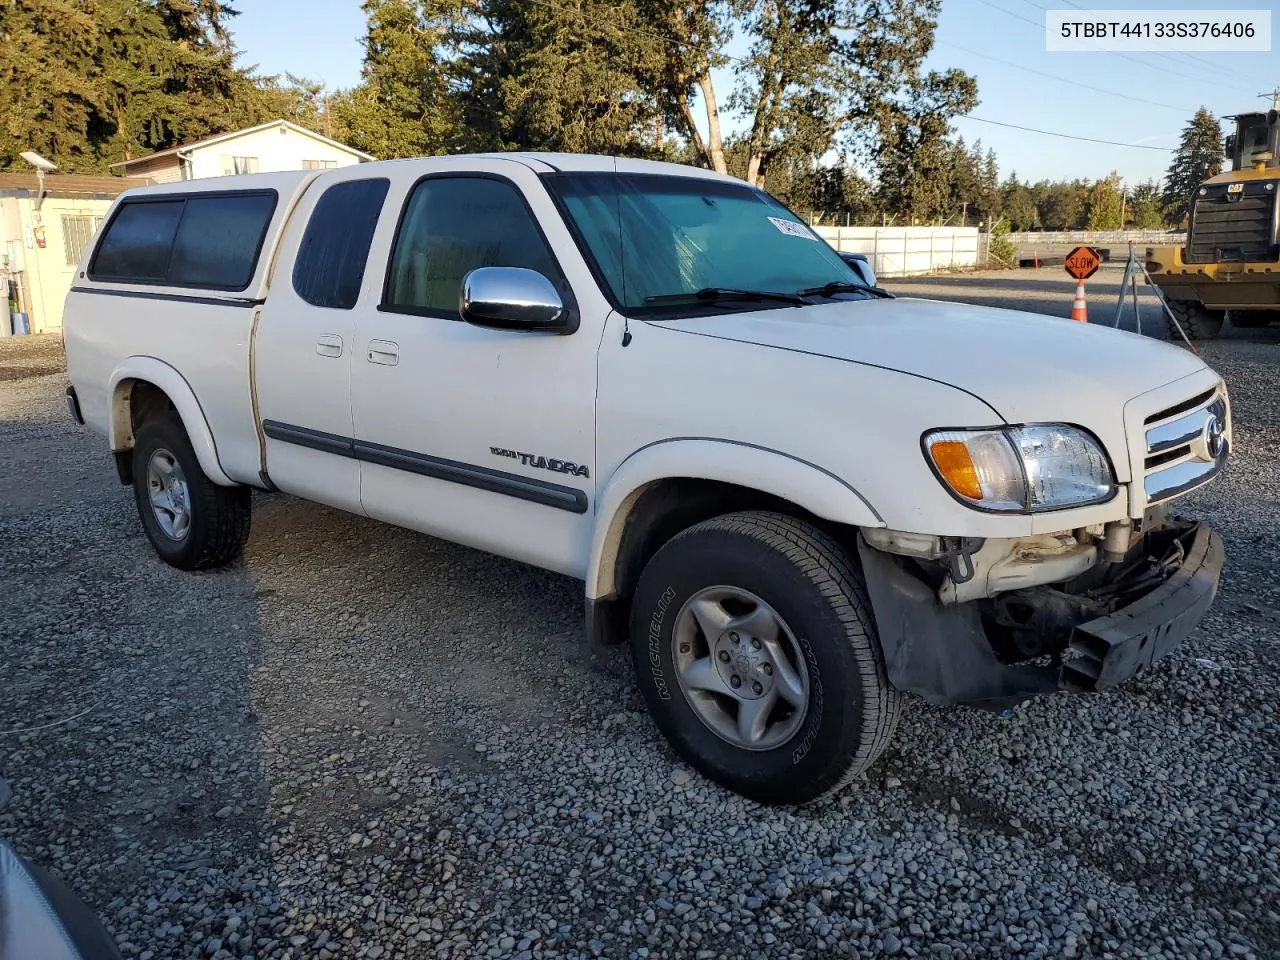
point(1078, 311)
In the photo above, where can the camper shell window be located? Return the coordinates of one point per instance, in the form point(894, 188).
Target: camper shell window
point(210, 241)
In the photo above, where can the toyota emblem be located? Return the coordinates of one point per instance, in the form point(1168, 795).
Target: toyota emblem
point(1215, 439)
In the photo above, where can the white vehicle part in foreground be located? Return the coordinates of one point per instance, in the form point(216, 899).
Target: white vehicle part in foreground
point(820, 492)
point(174, 385)
point(1000, 565)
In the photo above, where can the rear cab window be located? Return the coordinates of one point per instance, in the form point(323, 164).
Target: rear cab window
point(329, 267)
point(207, 241)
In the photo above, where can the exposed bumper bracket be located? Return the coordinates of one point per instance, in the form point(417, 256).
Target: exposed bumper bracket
point(1111, 649)
point(942, 653)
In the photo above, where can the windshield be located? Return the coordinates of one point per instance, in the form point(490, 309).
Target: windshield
point(663, 238)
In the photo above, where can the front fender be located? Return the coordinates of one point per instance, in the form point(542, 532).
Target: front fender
point(166, 378)
point(805, 484)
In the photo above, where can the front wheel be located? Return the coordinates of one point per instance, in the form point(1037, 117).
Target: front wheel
point(193, 523)
point(1196, 320)
point(757, 654)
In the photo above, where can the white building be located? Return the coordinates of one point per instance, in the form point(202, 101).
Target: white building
point(43, 235)
point(266, 148)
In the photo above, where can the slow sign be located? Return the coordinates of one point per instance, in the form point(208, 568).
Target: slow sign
point(1083, 262)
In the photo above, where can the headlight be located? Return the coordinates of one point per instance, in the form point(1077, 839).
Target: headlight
point(1024, 469)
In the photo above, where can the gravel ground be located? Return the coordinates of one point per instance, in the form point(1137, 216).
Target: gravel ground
point(361, 742)
point(1049, 290)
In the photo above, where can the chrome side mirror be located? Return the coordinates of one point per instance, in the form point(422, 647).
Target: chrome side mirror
point(511, 298)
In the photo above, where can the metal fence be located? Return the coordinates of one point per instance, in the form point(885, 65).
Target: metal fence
point(905, 251)
point(1096, 237)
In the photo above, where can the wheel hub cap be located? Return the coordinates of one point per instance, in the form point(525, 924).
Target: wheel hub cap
point(740, 668)
point(741, 661)
point(170, 498)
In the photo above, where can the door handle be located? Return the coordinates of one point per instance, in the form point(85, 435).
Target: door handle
point(329, 345)
point(384, 352)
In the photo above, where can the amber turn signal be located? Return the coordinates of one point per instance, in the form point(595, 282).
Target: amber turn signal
point(952, 459)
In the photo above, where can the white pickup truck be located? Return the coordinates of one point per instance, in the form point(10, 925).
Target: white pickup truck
point(796, 496)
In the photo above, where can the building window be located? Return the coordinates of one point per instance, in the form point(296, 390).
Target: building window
point(319, 164)
point(236, 165)
point(77, 231)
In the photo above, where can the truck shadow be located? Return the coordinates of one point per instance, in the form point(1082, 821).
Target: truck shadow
point(129, 733)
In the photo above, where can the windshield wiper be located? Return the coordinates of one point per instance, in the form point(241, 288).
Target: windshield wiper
point(842, 286)
point(728, 293)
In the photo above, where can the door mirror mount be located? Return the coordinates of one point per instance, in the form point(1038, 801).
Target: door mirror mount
point(511, 298)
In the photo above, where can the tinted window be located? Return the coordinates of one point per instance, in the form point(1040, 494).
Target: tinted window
point(137, 244)
point(452, 225)
point(218, 239)
point(335, 247)
point(208, 241)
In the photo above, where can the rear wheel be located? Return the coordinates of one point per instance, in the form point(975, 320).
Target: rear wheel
point(1197, 321)
point(757, 654)
point(193, 523)
point(1252, 319)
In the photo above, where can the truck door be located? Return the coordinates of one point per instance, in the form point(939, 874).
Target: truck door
point(305, 341)
point(480, 436)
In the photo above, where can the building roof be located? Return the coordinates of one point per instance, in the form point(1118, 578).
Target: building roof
point(67, 185)
point(210, 141)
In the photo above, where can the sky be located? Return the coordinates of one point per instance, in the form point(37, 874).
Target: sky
point(1140, 99)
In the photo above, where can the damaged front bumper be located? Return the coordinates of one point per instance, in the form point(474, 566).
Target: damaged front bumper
point(1079, 637)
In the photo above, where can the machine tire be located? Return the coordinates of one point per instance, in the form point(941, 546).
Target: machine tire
point(1197, 321)
point(215, 519)
point(810, 745)
point(1251, 319)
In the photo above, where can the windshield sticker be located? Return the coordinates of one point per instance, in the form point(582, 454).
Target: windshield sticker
point(791, 228)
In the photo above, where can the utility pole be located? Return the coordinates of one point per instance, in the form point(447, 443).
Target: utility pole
point(1275, 98)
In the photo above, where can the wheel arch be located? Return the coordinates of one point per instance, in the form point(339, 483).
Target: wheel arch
point(137, 384)
point(668, 486)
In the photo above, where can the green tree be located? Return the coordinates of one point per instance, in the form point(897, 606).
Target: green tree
point(1106, 204)
point(558, 78)
point(403, 106)
point(46, 100)
point(1146, 208)
point(831, 192)
point(187, 47)
point(841, 74)
point(916, 174)
point(987, 201)
point(1062, 205)
point(1000, 249)
point(89, 82)
point(1199, 157)
point(694, 34)
point(1019, 205)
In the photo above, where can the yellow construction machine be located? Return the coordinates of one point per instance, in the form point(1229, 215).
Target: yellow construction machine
point(1229, 268)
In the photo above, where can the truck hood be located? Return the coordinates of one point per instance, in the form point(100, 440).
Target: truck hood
point(1027, 367)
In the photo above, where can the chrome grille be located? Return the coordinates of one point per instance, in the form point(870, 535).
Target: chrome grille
point(1186, 445)
point(1233, 227)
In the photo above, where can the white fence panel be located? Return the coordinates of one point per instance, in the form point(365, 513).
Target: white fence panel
point(1098, 238)
point(904, 251)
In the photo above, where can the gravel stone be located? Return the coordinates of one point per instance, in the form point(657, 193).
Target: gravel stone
point(416, 759)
